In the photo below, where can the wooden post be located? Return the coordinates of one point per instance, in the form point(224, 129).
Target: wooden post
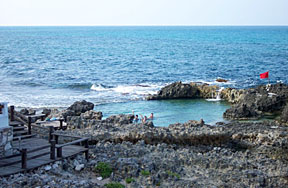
point(11, 113)
point(29, 124)
point(86, 152)
point(56, 138)
point(52, 150)
point(59, 152)
point(24, 158)
point(61, 124)
point(50, 133)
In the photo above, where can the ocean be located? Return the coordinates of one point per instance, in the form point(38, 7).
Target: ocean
point(116, 67)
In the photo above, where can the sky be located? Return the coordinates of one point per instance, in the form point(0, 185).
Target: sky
point(142, 12)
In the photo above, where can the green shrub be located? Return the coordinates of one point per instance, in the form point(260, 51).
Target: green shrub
point(145, 173)
point(129, 180)
point(114, 185)
point(103, 169)
point(173, 174)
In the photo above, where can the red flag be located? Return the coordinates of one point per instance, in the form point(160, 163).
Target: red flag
point(264, 75)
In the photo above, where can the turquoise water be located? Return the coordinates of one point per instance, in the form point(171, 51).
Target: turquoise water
point(116, 67)
point(169, 111)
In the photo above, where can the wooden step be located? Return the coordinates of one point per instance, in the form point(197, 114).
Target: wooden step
point(24, 137)
point(19, 133)
point(18, 128)
point(15, 123)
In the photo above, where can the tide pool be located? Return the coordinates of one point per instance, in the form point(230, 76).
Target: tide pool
point(169, 111)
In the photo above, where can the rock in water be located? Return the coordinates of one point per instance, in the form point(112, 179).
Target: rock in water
point(176, 90)
point(221, 80)
point(81, 107)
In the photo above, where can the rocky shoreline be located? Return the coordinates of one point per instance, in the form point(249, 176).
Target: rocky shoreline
point(192, 154)
point(252, 103)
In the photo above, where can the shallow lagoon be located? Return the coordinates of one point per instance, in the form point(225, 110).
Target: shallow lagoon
point(169, 111)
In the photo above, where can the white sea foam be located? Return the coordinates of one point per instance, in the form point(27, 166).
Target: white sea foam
point(214, 82)
point(139, 89)
point(98, 87)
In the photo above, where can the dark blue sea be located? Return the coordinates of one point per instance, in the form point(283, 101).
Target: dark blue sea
point(116, 67)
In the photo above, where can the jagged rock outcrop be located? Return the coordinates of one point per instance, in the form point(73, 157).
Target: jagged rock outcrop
point(28, 111)
point(87, 119)
point(77, 108)
point(232, 95)
point(205, 90)
point(80, 107)
point(120, 128)
point(176, 90)
point(255, 102)
point(194, 90)
point(46, 111)
point(120, 119)
point(284, 115)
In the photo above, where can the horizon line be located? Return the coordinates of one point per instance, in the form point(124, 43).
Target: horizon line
point(144, 25)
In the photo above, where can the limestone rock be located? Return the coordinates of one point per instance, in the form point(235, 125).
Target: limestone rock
point(81, 107)
point(120, 119)
point(92, 115)
point(46, 111)
point(255, 102)
point(28, 111)
point(284, 115)
point(176, 90)
point(48, 167)
point(79, 167)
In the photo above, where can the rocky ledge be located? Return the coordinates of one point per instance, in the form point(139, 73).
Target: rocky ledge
point(260, 101)
point(191, 154)
point(195, 90)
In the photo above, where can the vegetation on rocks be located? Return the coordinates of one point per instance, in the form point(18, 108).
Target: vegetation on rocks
point(145, 173)
point(114, 185)
point(103, 169)
point(129, 180)
point(173, 174)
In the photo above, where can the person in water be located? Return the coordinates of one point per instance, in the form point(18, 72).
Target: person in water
point(136, 119)
point(151, 116)
point(143, 119)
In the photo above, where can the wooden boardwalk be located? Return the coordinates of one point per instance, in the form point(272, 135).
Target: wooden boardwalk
point(32, 144)
point(35, 152)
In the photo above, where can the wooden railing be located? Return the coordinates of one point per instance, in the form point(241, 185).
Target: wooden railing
point(27, 119)
point(78, 140)
point(24, 158)
point(53, 142)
